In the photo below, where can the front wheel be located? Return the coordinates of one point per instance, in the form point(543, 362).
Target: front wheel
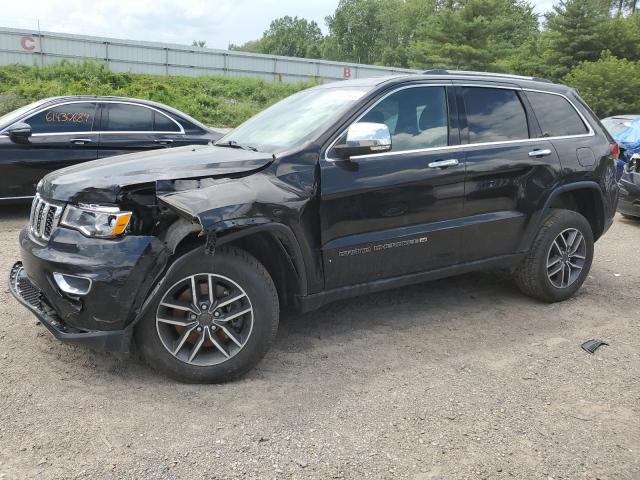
point(213, 320)
point(560, 258)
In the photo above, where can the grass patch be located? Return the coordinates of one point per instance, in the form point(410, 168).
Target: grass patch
point(214, 100)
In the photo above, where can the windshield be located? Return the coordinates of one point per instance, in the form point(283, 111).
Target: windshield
point(9, 118)
point(293, 120)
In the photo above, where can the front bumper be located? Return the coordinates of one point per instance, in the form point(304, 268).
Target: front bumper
point(33, 298)
point(122, 274)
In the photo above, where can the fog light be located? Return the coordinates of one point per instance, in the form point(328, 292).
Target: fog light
point(72, 284)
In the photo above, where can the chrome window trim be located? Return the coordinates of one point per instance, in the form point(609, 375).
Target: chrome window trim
point(100, 132)
point(591, 131)
point(25, 197)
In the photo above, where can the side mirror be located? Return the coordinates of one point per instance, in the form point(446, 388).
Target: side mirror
point(364, 138)
point(19, 132)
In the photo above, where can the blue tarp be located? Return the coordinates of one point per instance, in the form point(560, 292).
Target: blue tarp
point(629, 141)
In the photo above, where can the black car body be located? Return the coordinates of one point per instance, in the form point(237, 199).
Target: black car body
point(629, 204)
point(64, 131)
point(455, 172)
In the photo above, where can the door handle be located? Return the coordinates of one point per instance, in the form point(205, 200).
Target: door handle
point(540, 153)
point(80, 141)
point(444, 163)
point(163, 141)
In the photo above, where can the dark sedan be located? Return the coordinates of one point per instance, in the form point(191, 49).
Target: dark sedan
point(57, 132)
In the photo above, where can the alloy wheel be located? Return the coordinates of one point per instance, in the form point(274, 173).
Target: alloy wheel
point(566, 258)
point(204, 319)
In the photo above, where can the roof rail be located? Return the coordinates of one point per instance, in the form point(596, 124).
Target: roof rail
point(442, 71)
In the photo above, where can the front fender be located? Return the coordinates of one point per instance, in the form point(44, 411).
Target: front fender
point(234, 208)
point(251, 200)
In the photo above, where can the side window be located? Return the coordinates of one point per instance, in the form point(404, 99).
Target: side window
point(162, 123)
point(123, 117)
point(68, 118)
point(494, 115)
point(417, 118)
point(556, 116)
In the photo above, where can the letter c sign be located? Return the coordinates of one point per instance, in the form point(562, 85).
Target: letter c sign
point(27, 43)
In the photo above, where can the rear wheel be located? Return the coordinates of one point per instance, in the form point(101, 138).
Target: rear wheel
point(214, 320)
point(560, 258)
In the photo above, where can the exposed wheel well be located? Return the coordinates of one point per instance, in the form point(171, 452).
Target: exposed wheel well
point(586, 202)
point(270, 251)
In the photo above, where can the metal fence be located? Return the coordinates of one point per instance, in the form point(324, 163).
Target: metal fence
point(29, 47)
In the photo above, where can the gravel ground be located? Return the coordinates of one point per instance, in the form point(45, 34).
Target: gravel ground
point(458, 378)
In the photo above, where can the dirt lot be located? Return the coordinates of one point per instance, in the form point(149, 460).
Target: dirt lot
point(462, 378)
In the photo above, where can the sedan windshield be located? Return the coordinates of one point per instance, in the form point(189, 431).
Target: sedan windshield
point(293, 120)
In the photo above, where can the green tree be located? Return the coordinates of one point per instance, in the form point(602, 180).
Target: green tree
point(199, 43)
point(472, 34)
point(402, 19)
point(609, 85)
point(621, 36)
point(576, 33)
point(288, 36)
point(353, 31)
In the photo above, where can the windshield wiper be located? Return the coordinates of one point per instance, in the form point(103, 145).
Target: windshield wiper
point(234, 144)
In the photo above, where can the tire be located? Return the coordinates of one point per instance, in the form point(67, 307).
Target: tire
point(534, 276)
point(227, 342)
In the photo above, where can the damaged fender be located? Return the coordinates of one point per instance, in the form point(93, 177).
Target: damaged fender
point(229, 209)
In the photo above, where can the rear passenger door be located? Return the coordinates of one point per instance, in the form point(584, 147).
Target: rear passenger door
point(128, 127)
point(508, 169)
point(564, 126)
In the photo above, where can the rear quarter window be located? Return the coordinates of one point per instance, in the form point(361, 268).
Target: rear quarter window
point(162, 123)
point(556, 116)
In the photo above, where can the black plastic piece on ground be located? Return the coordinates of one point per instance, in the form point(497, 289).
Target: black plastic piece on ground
point(592, 345)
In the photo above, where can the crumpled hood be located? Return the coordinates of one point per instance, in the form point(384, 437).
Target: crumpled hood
point(101, 181)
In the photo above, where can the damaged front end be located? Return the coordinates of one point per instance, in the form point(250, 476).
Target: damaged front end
point(88, 288)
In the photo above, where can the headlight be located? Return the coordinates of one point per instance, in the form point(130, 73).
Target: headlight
point(96, 220)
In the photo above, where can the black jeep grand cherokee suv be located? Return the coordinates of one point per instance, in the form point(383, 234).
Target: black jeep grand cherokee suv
point(342, 189)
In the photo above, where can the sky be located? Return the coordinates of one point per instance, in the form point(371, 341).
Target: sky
point(218, 22)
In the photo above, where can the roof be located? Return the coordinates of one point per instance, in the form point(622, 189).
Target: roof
point(106, 97)
point(446, 75)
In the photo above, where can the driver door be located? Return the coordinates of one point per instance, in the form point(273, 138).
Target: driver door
point(395, 213)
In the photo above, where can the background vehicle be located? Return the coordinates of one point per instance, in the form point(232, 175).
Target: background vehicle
point(618, 126)
point(618, 123)
point(629, 205)
point(339, 190)
point(57, 132)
